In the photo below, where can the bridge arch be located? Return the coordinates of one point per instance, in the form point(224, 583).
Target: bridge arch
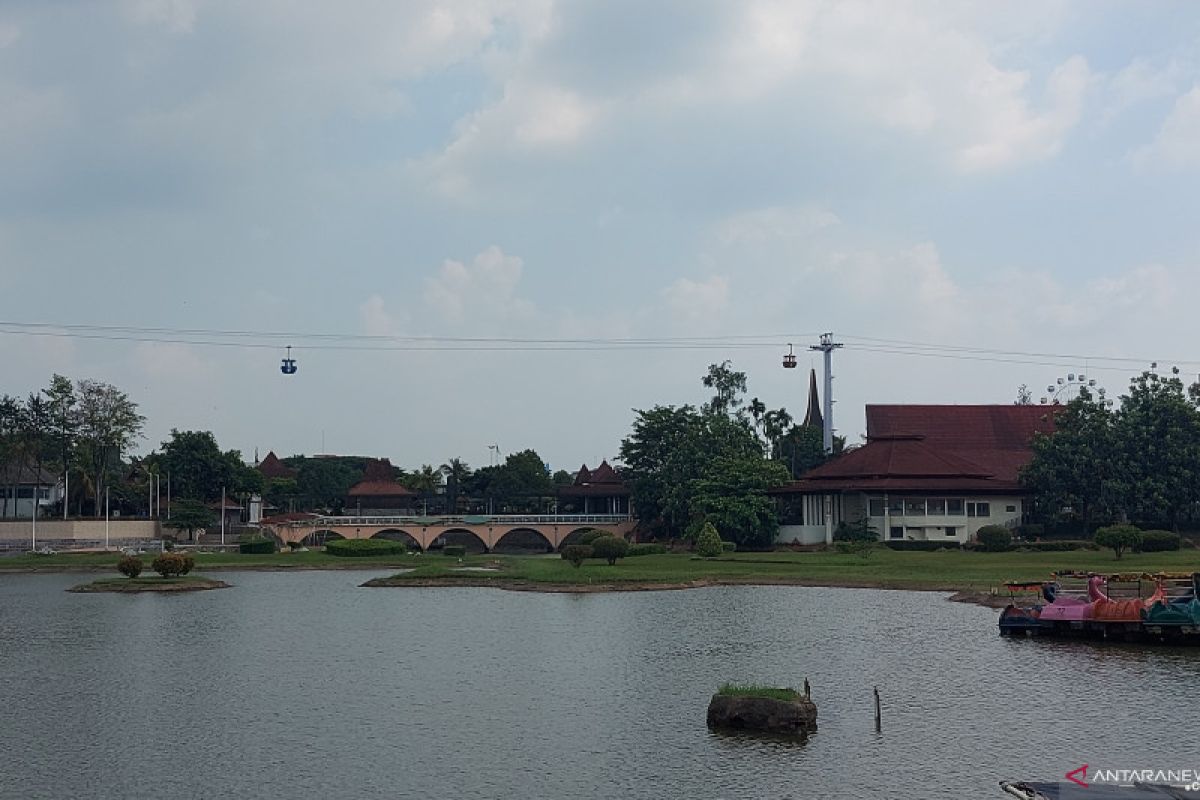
point(523, 540)
point(460, 536)
point(319, 537)
point(398, 535)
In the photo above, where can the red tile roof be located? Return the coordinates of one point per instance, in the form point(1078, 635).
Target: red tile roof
point(935, 448)
point(272, 467)
point(603, 481)
point(378, 481)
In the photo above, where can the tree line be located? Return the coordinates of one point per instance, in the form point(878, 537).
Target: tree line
point(1137, 461)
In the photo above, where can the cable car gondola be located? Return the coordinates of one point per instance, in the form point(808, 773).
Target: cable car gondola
point(789, 360)
point(288, 367)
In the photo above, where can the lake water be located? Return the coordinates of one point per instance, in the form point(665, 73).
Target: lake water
point(302, 685)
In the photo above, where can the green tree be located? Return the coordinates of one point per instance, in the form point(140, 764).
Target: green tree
point(1157, 430)
point(323, 483)
point(732, 494)
point(190, 516)
point(610, 548)
point(1119, 538)
point(64, 425)
point(729, 385)
point(521, 478)
point(195, 463)
point(1075, 471)
point(108, 425)
point(458, 475)
point(802, 448)
point(708, 542)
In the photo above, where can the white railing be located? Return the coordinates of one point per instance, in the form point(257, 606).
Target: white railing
point(469, 520)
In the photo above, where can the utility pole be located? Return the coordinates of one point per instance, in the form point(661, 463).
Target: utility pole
point(222, 516)
point(827, 346)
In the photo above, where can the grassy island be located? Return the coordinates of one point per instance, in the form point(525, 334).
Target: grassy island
point(181, 583)
point(754, 690)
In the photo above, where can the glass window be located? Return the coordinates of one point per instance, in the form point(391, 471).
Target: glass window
point(25, 491)
point(895, 506)
point(914, 507)
point(876, 505)
point(954, 507)
point(896, 532)
point(951, 531)
point(1010, 509)
point(978, 510)
point(936, 507)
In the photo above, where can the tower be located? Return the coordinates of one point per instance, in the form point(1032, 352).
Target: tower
point(812, 416)
point(827, 346)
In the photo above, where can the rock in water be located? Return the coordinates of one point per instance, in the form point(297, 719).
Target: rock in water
point(763, 714)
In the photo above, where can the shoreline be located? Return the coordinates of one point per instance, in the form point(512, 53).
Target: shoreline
point(956, 594)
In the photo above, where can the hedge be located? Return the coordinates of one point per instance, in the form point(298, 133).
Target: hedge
point(257, 545)
point(921, 544)
point(1159, 541)
point(994, 538)
point(455, 550)
point(576, 553)
point(646, 550)
point(590, 535)
point(130, 566)
point(358, 548)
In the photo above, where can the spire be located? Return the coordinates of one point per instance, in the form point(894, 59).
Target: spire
point(812, 417)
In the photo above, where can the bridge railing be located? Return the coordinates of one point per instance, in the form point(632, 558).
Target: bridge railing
point(467, 521)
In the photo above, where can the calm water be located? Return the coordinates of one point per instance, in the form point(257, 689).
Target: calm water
point(305, 686)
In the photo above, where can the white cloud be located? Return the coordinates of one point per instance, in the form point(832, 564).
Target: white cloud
point(378, 321)
point(484, 288)
point(773, 223)
point(1138, 82)
point(176, 16)
point(1178, 141)
point(9, 33)
point(705, 300)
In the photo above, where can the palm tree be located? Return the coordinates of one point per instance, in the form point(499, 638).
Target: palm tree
point(425, 481)
point(457, 473)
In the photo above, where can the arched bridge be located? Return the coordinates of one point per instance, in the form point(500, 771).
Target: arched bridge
point(490, 531)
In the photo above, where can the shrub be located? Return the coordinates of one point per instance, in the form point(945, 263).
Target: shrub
point(1159, 541)
point(654, 549)
point(708, 543)
point(576, 553)
point(169, 564)
point(1119, 538)
point(360, 548)
point(921, 545)
point(590, 535)
point(610, 548)
point(994, 538)
point(256, 545)
point(728, 546)
point(188, 563)
point(130, 567)
point(454, 550)
point(861, 549)
point(858, 531)
point(1031, 530)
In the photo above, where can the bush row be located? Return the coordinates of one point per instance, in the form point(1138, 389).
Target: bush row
point(172, 564)
point(358, 548)
point(918, 544)
point(257, 545)
point(650, 549)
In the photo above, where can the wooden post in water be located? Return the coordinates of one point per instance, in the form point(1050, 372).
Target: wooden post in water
point(878, 720)
point(807, 689)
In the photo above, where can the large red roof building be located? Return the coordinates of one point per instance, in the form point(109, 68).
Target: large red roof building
point(927, 472)
point(596, 491)
point(379, 492)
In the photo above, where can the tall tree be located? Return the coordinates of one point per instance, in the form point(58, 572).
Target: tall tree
point(457, 473)
point(109, 424)
point(732, 495)
point(1157, 429)
point(729, 385)
point(196, 466)
point(10, 442)
point(64, 424)
point(1075, 467)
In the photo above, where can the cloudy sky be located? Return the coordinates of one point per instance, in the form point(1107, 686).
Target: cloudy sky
point(1016, 177)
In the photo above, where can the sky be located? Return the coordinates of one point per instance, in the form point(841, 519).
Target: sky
point(970, 196)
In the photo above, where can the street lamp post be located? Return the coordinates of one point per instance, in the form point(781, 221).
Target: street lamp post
point(106, 515)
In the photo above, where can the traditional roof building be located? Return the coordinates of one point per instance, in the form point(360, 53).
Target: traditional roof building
point(927, 472)
point(271, 467)
point(812, 416)
point(379, 492)
point(598, 491)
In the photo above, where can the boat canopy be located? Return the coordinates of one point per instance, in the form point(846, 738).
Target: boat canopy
point(1036, 790)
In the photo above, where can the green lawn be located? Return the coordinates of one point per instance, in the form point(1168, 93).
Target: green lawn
point(945, 569)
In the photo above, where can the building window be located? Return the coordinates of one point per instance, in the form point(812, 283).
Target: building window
point(954, 508)
point(951, 531)
point(876, 506)
point(937, 508)
point(914, 507)
point(896, 532)
point(25, 492)
point(1010, 509)
point(979, 510)
point(895, 506)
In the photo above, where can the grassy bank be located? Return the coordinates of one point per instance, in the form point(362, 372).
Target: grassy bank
point(314, 559)
point(942, 570)
point(179, 583)
point(947, 570)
